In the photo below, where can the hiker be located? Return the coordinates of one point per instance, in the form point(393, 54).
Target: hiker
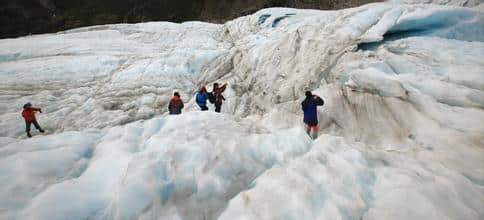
point(219, 98)
point(176, 104)
point(29, 115)
point(309, 106)
point(201, 98)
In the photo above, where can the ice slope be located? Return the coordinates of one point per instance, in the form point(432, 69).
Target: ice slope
point(368, 94)
point(341, 180)
point(102, 76)
point(114, 74)
point(156, 169)
point(404, 138)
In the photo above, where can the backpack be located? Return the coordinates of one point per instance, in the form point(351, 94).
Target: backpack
point(201, 98)
point(211, 97)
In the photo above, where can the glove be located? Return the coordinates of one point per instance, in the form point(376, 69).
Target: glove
point(40, 110)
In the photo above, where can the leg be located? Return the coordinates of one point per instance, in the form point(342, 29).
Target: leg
point(315, 131)
point(27, 128)
point(308, 130)
point(218, 107)
point(36, 124)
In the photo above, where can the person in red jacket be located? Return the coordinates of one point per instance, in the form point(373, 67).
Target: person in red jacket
point(176, 104)
point(29, 115)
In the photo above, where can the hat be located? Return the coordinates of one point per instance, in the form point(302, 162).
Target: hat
point(27, 105)
point(309, 94)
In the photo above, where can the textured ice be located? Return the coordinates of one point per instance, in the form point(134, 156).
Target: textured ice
point(159, 168)
point(341, 180)
point(103, 76)
point(402, 132)
point(466, 3)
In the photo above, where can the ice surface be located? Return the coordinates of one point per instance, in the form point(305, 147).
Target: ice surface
point(105, 75)
point(341, 180)
point(161, 167)
point(402, 132)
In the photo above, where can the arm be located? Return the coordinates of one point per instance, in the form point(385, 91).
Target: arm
point(319, 100)
point(181, 106)
point(222, 89)
point(170, 105)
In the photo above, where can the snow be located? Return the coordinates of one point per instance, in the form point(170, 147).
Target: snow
point(401, 129)
point(111, 67)
point(339, 180)
point(143, 168)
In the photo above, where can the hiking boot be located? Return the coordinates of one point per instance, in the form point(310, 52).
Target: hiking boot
point(41, 130)
point(29, 135)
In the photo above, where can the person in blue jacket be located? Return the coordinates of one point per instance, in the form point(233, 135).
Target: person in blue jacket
point(201, 98)
point(309, 106)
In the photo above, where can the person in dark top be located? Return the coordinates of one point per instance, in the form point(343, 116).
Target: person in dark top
point(29, 115)
point(309, 106)
point(176, 104)
point(219, 98)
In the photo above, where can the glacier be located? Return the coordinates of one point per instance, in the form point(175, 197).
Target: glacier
point(402, 128)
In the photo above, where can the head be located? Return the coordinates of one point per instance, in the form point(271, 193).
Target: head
point(215, 85)
point(27, 105)
point(176, 94)
point(308, 94)
point(203, 89)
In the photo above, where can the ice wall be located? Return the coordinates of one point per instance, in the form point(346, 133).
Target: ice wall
point(114, 74)
point(370, 98)
point(403, 133)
